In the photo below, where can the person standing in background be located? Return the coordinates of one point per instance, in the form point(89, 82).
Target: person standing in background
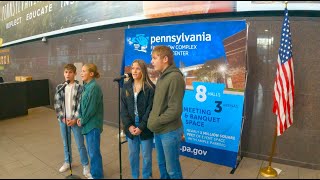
point(136, 103)
point(91, 117)
point(165, 117)
point(67, 101)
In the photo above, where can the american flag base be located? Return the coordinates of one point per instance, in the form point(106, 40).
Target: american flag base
point(268, 172)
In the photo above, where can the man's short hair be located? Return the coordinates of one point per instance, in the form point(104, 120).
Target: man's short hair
point(163, 51)
point(71, 67)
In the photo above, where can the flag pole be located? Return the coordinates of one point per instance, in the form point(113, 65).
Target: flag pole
point(269, 171)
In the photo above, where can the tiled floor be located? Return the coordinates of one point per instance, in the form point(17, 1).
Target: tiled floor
point(31, 147)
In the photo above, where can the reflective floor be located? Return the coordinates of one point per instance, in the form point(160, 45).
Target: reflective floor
point(31, 147)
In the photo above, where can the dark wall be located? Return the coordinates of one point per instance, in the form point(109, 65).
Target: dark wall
point(299, 145)
point(45, 60)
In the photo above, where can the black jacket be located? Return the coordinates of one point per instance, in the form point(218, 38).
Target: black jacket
point(144, 104)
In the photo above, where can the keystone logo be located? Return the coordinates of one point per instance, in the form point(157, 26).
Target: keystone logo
point(140, 42)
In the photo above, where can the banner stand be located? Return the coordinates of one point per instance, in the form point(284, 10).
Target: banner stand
point(239, 157)
point(212, 59)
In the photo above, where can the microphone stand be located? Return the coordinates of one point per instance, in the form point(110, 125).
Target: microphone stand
point(71, 176)
point(118, 80)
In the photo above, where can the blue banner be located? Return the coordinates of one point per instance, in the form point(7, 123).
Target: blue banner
point(212, 118)
point(192, 44)
point(211, 55)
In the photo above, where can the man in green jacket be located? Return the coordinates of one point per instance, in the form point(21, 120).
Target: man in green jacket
point(165, 117)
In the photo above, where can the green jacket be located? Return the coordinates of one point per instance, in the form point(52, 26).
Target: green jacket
point(91, 107)
point(165, 115)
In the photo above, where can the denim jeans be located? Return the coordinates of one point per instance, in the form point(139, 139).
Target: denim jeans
point(134, 155)
point(93, 145)
point(168, 151)
point(79, 141)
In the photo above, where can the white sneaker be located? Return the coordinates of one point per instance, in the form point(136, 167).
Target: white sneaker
point(88, 176)
point(86, 172)
point(64, 167)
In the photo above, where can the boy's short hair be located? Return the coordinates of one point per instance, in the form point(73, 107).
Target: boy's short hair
point(163, 51)
point(71, 67)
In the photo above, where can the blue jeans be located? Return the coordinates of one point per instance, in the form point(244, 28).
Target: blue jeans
point(168, 151)
point(93, 145)
point(79, 141)
point(134, 155)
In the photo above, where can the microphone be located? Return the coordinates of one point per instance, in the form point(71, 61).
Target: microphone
point(64, 85)
point(123, 76)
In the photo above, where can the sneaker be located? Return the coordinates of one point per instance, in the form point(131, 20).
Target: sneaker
point(64, 167)
point(89, 176)
point(86, 172)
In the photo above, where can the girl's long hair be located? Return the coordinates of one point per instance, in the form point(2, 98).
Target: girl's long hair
point(145, 77)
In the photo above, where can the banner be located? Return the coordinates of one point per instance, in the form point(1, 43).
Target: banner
point(211, 55)
point(26, 20)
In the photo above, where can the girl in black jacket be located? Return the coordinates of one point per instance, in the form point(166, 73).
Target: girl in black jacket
point(136, 103)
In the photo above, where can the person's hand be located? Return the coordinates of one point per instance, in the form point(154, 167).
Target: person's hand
point(137, 131)
point(71, 122)
point(183, 138)
point(131, 129)
point(67, 121)
point(78, 122)
point(63, 120)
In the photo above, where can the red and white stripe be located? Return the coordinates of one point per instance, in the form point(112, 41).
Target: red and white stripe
point(283, 95)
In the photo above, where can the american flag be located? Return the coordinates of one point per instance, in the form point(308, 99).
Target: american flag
point(284, 81)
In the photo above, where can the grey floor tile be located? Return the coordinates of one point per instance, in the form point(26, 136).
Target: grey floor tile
point(308, 173)
point(31, 148)
point(47, 173)
point(201, 172)
point(248, 168)
point(188, 166)
point(5, 158)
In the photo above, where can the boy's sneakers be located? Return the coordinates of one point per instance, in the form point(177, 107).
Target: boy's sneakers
point(86, 172)
point(64, 167)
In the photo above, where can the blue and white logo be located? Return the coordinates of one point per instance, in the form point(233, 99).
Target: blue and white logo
point(140, 42)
